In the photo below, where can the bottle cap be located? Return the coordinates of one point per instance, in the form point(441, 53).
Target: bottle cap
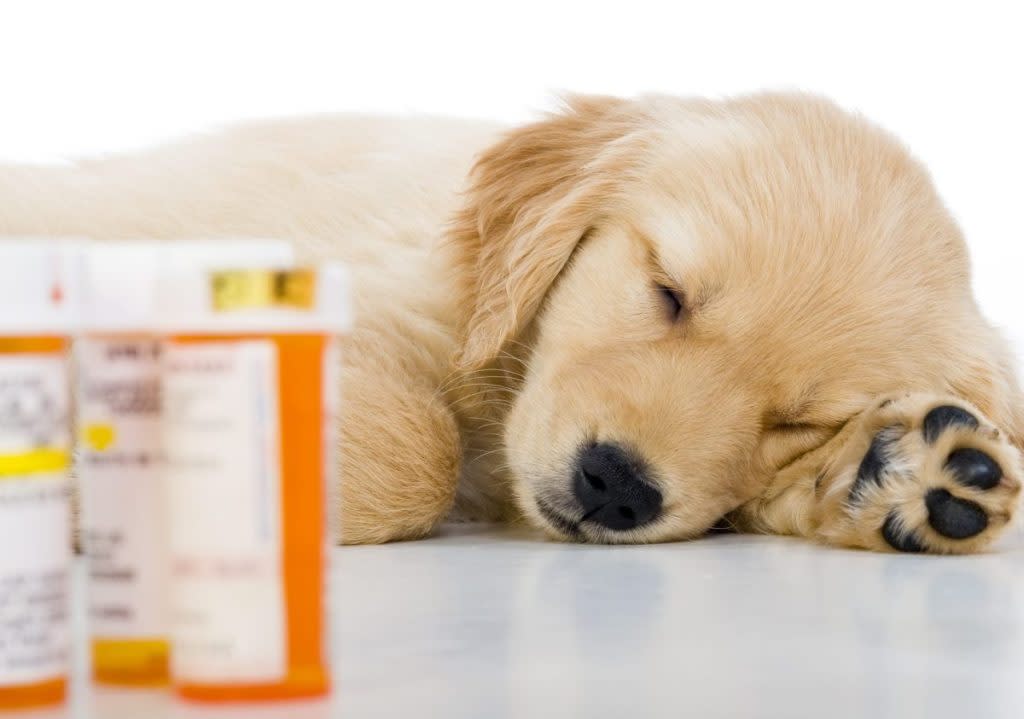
point(39, 286)
point(121, 280)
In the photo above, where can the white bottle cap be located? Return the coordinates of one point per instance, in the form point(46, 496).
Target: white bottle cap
point(253, 298)
point(39, 290)
point(121, 279)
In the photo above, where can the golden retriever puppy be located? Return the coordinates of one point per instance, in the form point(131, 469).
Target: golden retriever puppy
point(622, 323)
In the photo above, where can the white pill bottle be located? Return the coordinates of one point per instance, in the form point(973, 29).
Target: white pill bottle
point(251, 361)
point(37, 318)
point(121, 467)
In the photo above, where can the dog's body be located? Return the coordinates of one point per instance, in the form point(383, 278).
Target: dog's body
point(632, 319)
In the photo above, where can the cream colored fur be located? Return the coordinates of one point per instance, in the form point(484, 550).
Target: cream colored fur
point(507, 313)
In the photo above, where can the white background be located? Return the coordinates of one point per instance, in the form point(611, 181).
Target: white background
point(89, 76)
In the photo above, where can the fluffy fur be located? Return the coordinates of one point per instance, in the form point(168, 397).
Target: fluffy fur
point(509, 313)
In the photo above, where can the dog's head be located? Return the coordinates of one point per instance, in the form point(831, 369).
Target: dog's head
point(699, 294)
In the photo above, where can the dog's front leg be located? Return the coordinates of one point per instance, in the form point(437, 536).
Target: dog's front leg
point(400, 449)
point(914, 473)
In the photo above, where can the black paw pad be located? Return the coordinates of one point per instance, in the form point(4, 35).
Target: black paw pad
point(899, 540)
point(936, 421)
point(974, 468)
point(872, 466)
point(954, 517)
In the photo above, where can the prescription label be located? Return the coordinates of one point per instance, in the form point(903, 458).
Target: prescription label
point(120, 464)
point(222, 450)
point(35, 518)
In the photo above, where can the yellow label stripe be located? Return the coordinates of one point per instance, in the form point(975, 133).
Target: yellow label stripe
point(37, 461)
point(249, 289)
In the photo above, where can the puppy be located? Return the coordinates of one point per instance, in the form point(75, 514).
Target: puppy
point(622, 323)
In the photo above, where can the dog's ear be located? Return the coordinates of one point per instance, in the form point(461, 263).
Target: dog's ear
point(531, 199)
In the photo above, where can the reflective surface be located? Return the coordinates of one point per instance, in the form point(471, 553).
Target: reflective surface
point(491, 623)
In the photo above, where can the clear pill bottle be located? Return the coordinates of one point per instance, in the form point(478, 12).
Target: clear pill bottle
point(120, 460)
point(250, 382)
point(37, 316)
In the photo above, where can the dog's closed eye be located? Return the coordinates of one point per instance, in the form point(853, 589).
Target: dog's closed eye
point(672, 300)
point(791, 419)
point(793, 427)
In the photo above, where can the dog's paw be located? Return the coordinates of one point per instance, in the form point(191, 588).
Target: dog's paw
point(923, 474)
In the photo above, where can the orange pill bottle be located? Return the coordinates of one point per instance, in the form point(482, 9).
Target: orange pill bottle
point(120, 459)
point(250, 389)
point(37, 287)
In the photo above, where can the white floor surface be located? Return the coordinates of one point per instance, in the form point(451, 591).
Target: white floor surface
point(486, 623)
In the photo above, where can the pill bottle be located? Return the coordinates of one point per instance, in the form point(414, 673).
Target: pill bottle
point(250, 389)
point(120, 458)
point(37, 316)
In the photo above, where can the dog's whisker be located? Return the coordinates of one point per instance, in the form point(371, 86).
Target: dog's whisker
point(489, 453)
point(496, 387)
point(496, 397)
point(485, 423)
point(496, 371)
point(502, 378)
point(485, 384)
point(493, 379)
point(516, 343)
point(495, 402)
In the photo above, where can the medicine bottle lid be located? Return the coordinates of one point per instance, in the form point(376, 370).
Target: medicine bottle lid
point(39, 286)
point(272, 299)
point(121, 279)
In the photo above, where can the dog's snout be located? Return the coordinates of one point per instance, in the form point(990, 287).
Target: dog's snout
point(612, 489)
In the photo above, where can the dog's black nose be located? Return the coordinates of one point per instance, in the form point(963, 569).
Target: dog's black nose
point(611, 488)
